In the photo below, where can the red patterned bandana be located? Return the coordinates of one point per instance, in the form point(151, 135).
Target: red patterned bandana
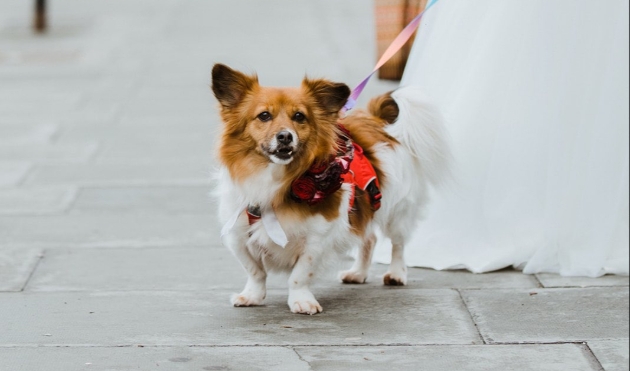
point(325, 178)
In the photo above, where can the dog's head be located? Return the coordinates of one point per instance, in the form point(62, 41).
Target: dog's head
point(285, 126)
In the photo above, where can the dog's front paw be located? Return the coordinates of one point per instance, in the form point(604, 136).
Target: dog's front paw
point(352, 277)
point(247, 299)
point(306, 307)
point(304, 303)
point(395, 278)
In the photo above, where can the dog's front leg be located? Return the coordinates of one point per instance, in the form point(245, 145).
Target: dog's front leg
point(256, 287)
point(301, 299)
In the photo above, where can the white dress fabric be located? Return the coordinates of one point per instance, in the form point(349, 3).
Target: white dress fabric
point(536, 97)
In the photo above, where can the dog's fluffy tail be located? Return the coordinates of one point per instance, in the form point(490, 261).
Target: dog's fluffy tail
point(419, 126)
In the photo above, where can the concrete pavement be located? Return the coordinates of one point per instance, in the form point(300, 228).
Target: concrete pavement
point(109, 249)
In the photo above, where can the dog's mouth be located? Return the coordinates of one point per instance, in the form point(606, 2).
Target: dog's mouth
point(284, 153)
point(281, 155)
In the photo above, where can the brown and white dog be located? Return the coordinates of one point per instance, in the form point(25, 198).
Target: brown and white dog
point(272, 137)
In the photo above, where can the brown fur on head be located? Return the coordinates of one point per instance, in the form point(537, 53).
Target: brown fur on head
point(287, 126)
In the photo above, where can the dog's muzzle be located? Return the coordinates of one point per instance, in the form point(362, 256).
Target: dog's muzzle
point(282, 147)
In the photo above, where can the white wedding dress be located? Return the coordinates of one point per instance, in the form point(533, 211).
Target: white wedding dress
point(536, 97)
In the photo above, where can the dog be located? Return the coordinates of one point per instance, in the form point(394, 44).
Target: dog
point(289, 195)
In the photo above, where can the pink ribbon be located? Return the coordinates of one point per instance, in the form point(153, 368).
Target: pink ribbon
point(395, 46)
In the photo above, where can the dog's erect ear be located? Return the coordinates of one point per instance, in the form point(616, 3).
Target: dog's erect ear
point(230, 86)
point(330, 95)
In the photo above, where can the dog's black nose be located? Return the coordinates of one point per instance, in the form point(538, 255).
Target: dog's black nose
point(284, 137)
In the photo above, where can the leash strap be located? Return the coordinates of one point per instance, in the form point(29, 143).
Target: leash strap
point(394, 47)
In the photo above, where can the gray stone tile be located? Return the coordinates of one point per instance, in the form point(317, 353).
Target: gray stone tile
point(16, 266)
point(612, 354)
point(152, 358)
point(180, 268)
point(122, 174)
point(106, 112)
point(77, 131)
point(115, 269)
point(549, 315)
point(199, 94)
point(350, 317)
point(19, 98)
point(49, 153)
point(172, 149)
point(554, 357)
point(200, 130)
point(170, 122)
point(157, 143)
point(12, 172)
point(22, 133)
point(35, 200)
point(140, 106)
point(555, 280)
point(172, 200)
point(459, 279)
point(109, 230)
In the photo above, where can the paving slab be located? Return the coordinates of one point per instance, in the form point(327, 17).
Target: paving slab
point(202, 268)
point(551, 357)
point(170, 122)
point(116, 269)
point(171, 200)
point(123, 174)
point(35, 200)
point(29, 132)
point(612, 354)
point(88, 111)
point(173, 149)
point(549, 315)
point(109, 230)
point(350, 317)
point(152, 358)
point(167, 268)
point(23, 98)
point(49, 153)
point(458, 279)
point(199, 132)
point(555, 280)
point(138, 106)
point(199, 94)
point(148, 119)
point(12, 172)
point(16, 266)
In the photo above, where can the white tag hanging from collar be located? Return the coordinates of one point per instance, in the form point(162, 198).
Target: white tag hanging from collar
point(273, 227)
point(270, 223)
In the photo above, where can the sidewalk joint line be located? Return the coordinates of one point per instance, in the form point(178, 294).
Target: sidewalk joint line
point(472, 318)
point(540, 284)
point(302, 358)
point(590, 355)
point(40, 257)
point(292, 346)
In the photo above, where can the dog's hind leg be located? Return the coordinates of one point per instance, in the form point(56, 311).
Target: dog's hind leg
point(397, 273)
point(359, 271)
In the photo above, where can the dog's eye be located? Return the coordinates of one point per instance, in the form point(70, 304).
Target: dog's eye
point(265, 116)
point(299, 117)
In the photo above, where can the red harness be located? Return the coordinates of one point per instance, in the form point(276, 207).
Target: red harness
point(350, 166)
point(363, 175)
